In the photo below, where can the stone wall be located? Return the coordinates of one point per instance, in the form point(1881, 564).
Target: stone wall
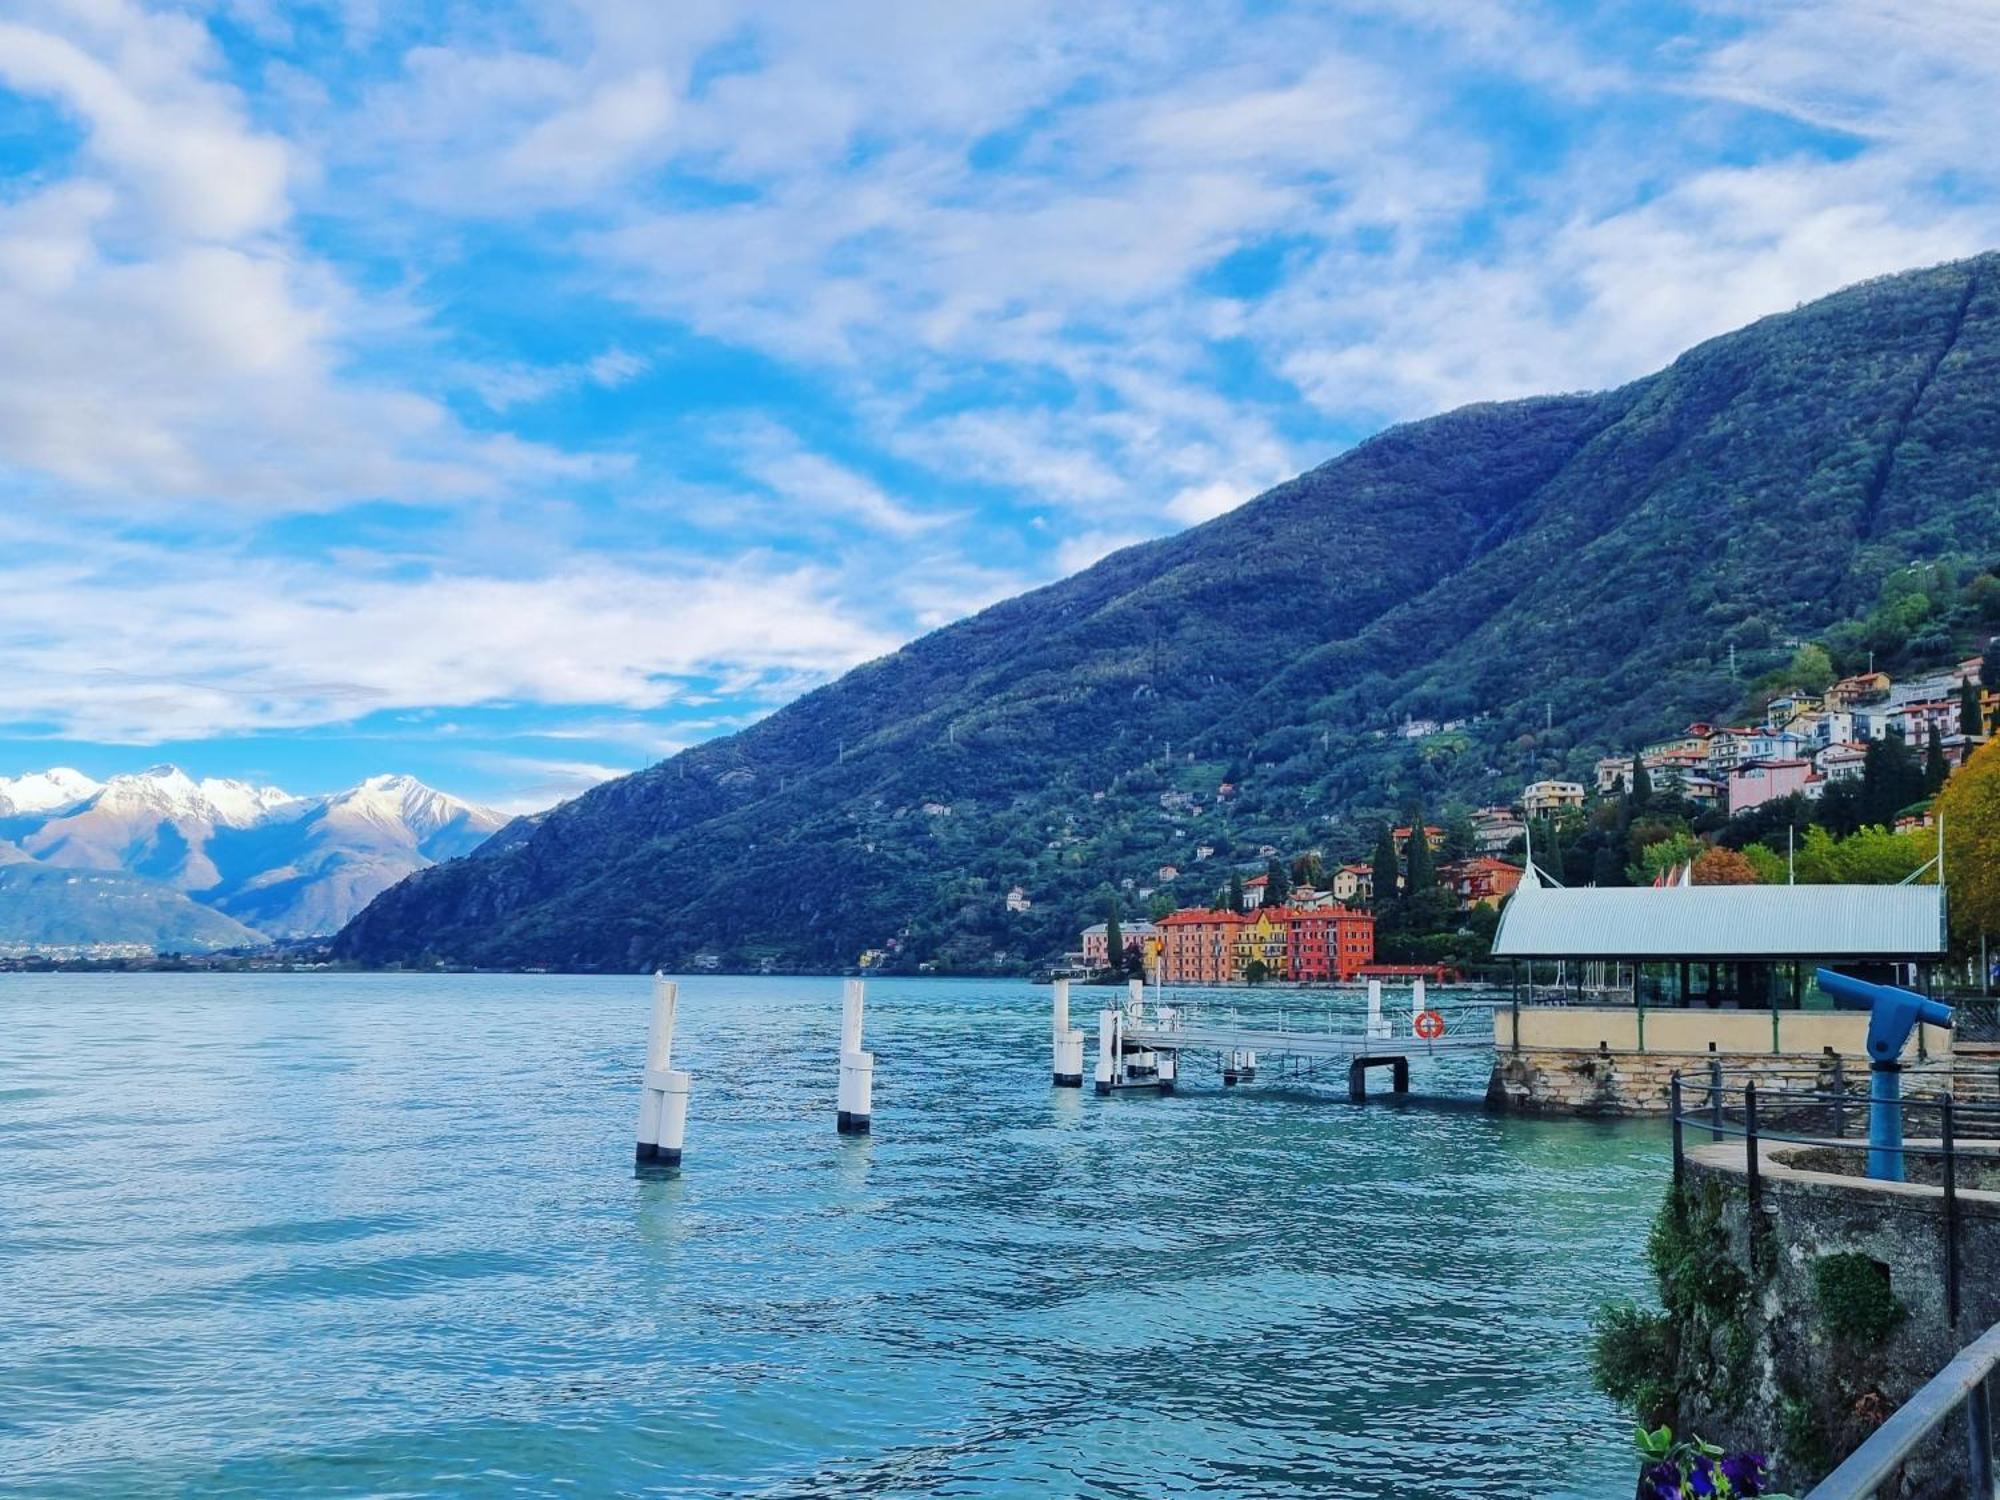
point(1603, 1082)
point(1789, 1374)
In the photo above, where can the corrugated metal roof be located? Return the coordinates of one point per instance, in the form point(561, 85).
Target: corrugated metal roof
point(1723, 921)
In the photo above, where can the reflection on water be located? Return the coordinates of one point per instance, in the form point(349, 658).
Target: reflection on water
point(361, 1234)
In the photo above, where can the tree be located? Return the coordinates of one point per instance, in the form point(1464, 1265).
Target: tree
point(1839, 809)
point(1277, 886)
point(1419, 865)
point(1236, 890)
point(1989, 666)
point(1970, 722)
point(1640, 786)
point(1723, 867)
point(1811, 669)
point(1936, 767)
point(1256, 971)
point(1114, 940)
point(1970, 807)
point(1891, 779)
point(1386, 873)
point(1868, 856)
point(1769, 864)
point(1665, 857)
point(1461, 838)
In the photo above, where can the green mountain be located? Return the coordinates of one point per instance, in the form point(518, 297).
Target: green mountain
point(1566, 575)
point(46, 909)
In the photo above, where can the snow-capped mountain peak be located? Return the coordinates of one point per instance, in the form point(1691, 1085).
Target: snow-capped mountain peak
point(176, 796)
point(45, 791)
point(403, 801)
point(286, 865)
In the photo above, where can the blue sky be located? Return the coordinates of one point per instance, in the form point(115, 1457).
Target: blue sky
point(512, 394)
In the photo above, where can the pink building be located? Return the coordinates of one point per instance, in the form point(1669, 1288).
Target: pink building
point(1758, 781)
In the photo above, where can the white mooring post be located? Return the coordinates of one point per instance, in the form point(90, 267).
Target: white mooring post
point(1135, 998)
point(1417, 1001)
point(1107, 1050)
point(1067, 1070)
point(856, 1099)
point(663, 1096)
point(1378, 1028)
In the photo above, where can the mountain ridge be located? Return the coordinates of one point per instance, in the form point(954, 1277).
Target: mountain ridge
point(266, 862)
point(1557, 577)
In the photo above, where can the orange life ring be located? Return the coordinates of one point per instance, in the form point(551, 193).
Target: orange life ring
point(1430, 1025)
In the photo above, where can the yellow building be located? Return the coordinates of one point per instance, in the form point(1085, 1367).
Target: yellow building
point(1262, 939)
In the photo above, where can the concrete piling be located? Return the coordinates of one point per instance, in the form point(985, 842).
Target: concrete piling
point(855, 1101)
point(1066, 1042)
point(663, 1095)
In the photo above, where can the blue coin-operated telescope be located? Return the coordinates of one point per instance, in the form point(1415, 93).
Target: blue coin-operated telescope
point(1893, 1014)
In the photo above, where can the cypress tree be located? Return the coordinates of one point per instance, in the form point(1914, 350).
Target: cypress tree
point(1385, 869)
point(1114, 941)
point(1236, 891)
point(1969, 720)
point(1936, 767)
point(1277, 886)
point(1989, 665)
point(1419, 868)
point(1891, 779)
point(1641, 792)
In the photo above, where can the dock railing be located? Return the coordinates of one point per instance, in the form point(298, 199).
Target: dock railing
point(1761, 1111)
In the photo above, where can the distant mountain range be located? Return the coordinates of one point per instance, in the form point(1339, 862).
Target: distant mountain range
point(1451, 609)
point(158, 860)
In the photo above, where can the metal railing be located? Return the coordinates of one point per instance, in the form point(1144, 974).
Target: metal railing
point(1821, 1117)
point(1964, 1384)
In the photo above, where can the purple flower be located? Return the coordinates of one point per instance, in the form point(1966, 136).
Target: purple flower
point(1701, 1478)
point(1745, 1472)
point(1662, 1481)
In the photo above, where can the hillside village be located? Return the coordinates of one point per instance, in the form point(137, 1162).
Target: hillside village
point(1863, 753)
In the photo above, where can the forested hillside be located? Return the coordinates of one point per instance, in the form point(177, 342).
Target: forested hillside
point(1543, 581)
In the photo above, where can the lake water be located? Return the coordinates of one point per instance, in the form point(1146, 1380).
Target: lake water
point(375, 1235)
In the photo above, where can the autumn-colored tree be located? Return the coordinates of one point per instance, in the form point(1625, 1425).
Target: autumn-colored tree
point(1970, 806)
point(1723, 867)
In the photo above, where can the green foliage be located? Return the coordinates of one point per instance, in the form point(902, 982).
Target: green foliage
point(1632, 1360)
point(1810, 669)
point(1114, 940)
point(1854, 1299)
point(1277, 885)
point(1767, 862)
point(1892, 780)
point(1869, 856)
point(1665, 857)
point(1803, 1437)
point(1256, 971)
point(1386, 873)
point(1689, 1254)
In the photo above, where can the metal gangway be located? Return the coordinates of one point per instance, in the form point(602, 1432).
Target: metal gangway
point(1314, 1034)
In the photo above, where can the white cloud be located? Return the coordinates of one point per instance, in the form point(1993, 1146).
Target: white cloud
point(128, 643)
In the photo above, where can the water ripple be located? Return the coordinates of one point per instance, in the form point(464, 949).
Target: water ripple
point(369, 1235)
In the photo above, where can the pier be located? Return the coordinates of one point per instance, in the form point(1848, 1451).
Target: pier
point(1141, 1048)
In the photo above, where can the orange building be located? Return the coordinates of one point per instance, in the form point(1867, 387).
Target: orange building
point(1198, 946)
point(1481, 881)
point(1207, 946)
point(1328, 943)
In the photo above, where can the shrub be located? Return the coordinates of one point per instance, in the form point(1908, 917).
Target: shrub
point(1856, 1302)
point(1632, 1360)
